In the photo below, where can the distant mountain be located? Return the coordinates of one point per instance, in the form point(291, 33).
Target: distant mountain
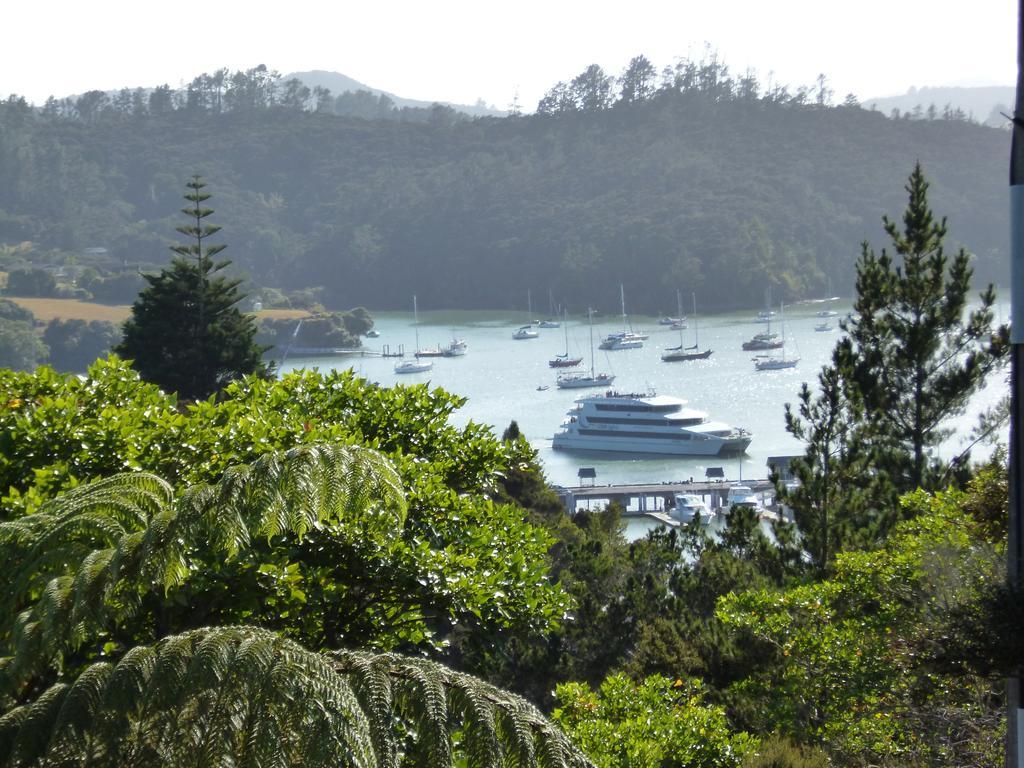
point(338, 83)
point(981, 104)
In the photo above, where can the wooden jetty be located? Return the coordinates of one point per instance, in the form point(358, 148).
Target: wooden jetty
point(638, 499)
point(385, 351)
point(653, 499)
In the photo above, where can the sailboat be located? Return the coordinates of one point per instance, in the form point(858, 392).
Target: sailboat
point(582, 380)
point(626, 339)
point(563, 360)
point(771, 363)
point(548, 322)
point(678, 322)
point(527, 331)
point(681, 353)
point(766, 339)
point(417, 365)
point(828, 300)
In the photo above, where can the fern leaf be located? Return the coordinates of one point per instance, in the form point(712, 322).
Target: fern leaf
point(127, 533)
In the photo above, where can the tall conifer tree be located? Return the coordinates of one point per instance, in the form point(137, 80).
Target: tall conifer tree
point(913, 350)
point(185, 332)
point(911, 357)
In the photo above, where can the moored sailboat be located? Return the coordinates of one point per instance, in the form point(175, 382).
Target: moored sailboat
point(626, 338)
point(681, 353)
point(417, 365)
point(563, 360)
point(582, 380)
point(772, 363)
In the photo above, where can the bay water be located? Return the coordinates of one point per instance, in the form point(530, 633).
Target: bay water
point(505, 379)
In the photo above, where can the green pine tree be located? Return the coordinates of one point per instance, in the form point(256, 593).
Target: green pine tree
point(838, 500)
point(185, 332)
point(912, 350)
point(911, 357)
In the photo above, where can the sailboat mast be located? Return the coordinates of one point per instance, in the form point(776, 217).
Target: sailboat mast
point(782, 326)
point(590, 314)
point(679, 316)
point(622, 300)
point(416, 322)
point(696, 340)
point(565, 327)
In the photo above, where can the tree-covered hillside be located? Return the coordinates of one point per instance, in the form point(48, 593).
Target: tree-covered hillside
point(707, 184)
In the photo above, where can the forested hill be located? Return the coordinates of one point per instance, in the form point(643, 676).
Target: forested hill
point(684, 189)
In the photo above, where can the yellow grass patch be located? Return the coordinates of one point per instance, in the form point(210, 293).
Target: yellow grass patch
point(71, 309)
point(282, 314)
point(46, 310)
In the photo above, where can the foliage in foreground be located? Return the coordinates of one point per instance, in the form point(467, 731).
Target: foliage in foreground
point(461, 562)
point(856, 662)
point(656, 722)
point(99, 567)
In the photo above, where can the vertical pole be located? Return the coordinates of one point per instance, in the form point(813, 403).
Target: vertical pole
point(1014, 748)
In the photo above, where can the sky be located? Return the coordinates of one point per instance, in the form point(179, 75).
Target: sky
point(460, 51)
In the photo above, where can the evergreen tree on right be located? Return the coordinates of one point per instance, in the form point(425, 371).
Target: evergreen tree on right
point(911, 357)
point(912, 350)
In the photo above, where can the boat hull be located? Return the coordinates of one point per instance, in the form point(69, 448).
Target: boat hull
point(413, 367)
point(774, 365)
point(757, 346)
point(583, 382)
point(678, 357)
point(711, 446)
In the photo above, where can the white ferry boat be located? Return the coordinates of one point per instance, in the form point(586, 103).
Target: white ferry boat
point(646, 423)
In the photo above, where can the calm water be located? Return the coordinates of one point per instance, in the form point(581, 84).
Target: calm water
point(500, 376)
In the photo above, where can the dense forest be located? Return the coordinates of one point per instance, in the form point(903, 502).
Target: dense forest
point(686, 178)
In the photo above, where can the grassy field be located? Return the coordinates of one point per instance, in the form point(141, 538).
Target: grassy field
point(46, 310)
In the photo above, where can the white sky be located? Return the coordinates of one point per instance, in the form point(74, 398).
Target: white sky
point(462, 50)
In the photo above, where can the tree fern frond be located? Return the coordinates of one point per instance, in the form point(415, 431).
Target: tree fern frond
point(482, 743)
point(371, 682)
point(34, 729)
point(421, 696)
point(43, 545)
point(200, 717)
point(515, 727)
point(82, 700)
point(498, 727)
point(148, 537)
point(244, 696)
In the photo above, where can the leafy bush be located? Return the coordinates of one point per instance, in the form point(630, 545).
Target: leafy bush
point(656, 722)
point(461, 561)
point(851, 660)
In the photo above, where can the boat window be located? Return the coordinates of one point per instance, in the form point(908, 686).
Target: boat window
point(627, 433)
point(629, 422)
point(638, 407)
